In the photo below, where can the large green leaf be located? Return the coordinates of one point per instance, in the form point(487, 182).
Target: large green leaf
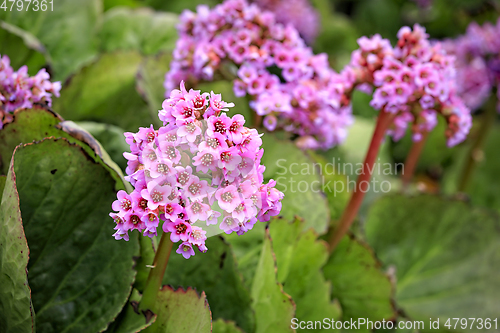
point(3, 179)
point(181, 311)
point(131, 320)
point(105, 92)
point(334, 185)
point(215, 273)
point(38, 123)
point(362, 289)
point(300, 257)
point(299, 179)
point(66, 28)
point(16, 310)
point(22, 48)
point(151, 77)
point(221, 326)
point(112, 139)
point(247, 250)
point(274, 309)
point(446, 255)
point(80, 276)
point(141, 30)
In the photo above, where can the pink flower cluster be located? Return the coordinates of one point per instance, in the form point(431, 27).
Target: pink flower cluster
point(414, 80)
point(201, 168)
point(288, 85)
point(18, 90)
point(299, 13)
point(478, 62)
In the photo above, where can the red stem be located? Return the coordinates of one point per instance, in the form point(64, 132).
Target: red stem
point(412, 159)
point(350, 212)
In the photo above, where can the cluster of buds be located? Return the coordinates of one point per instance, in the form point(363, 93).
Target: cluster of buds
point(201, 169)
point(414, 80)
point(288, 85)
point(478, 63)
point(19, 90)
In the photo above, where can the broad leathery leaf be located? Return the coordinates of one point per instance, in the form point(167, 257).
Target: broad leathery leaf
point(41, 122)
point(80, 276)
point(105, 91)
point(67, 29)
point(445, 253)
point(215, 272)
point(362, 288)
point(298, 178)
point(274, 309)
point(141, 29)
point(181, 311)
point(300, 257)
point(16, 310)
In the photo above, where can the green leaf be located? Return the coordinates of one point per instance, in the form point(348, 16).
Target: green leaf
point(130, 320)
point(16, 310)
point(22, 48)
point(362, 289)
point(112, 139)
point(80, 276)
point(334, 185)
point(105, 92)
point(274, 309)
point(3, 179)
point(150, 79)
point(38, 123)
point(222, 326)
point(141, 30)
point(300, 257)
point(446, 256)
point(181, 311)
point(299, 179)
point(67, 29)
point(247, 251)
point(216, 274)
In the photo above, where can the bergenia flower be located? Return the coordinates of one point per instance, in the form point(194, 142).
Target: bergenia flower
point(185, 183)
point(19, 90)
point(415, 81)
point(243, 39)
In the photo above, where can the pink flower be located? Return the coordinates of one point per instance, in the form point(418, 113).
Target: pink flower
point(172, 210)
point(179, 230)
point(186, 249)
point(197, 236)
point(228, 198)
point(156, 195)
point(123, 204)
point(229, 159)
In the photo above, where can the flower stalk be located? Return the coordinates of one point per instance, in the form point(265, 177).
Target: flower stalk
point(155, 278)
point(412, 160)
point(384, 120)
